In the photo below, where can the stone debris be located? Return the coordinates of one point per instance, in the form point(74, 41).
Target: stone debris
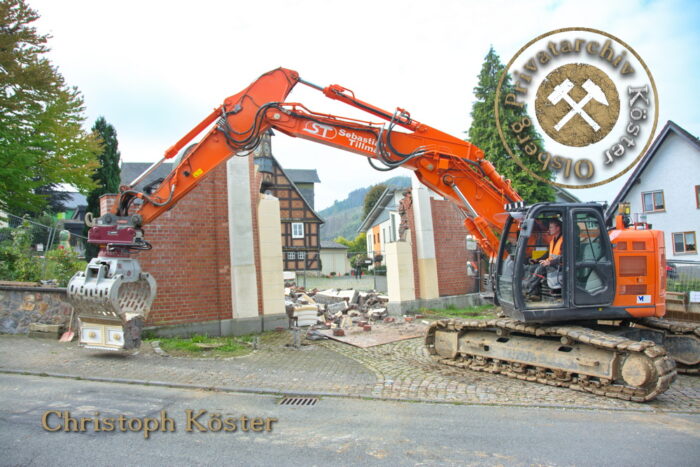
point(335, 308)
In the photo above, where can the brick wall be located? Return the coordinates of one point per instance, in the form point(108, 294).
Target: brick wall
point(410, 215)
point(450, 250)
point(190, 259)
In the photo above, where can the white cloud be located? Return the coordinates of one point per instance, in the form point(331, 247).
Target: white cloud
point(155, 68)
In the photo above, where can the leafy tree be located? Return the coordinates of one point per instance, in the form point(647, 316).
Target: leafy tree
point(484, 133)
point(358, 245)
point(42, 142)
point(108, 174)
point(372, 197)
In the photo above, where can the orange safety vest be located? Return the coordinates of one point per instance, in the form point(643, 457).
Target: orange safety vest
point(555, 246)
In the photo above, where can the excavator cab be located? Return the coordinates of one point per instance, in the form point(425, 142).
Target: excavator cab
point(578, 287)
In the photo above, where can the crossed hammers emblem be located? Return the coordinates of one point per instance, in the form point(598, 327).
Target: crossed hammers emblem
point(562, 92)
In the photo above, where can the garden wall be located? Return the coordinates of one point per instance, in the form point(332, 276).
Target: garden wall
point(22, 304)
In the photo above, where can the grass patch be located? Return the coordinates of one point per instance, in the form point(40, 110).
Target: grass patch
point(208, 346)
point(451, 311)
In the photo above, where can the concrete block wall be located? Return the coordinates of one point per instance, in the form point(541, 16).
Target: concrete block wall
point(271, 270)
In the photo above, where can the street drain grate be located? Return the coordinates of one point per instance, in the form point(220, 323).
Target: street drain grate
point(299, 401)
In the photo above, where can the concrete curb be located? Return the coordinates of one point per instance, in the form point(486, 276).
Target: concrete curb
point(282, 393)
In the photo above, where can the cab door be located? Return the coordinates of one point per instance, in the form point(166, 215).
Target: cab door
point(592, 280)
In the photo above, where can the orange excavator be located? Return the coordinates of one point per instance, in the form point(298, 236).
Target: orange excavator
point(596, 327)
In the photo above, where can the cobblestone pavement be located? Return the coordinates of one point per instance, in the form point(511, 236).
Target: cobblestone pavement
point(400, 370)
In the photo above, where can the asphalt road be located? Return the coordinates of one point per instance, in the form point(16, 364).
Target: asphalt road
point(336, 431)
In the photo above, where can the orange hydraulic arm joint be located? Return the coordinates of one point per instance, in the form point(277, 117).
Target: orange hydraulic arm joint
point(449, 166)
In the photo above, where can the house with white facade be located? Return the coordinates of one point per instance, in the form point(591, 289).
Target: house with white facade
point(664, 191)
point(381, 224)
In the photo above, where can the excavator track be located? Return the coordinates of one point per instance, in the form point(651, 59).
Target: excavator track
point(687, 335)
point(575, 357)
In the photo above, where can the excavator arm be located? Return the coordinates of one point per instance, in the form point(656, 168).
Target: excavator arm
point(113, 289)
point(449, 166)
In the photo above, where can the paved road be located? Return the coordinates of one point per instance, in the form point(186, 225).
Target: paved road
point(400, 370)
point(336, 431)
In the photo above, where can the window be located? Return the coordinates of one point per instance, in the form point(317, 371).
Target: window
point(697, 196)
point(653, 201)
point(684, 242)
point(291, 255)
point(297, 230)
point(301, 255)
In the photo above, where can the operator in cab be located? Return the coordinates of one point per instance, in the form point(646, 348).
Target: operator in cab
point(548, 267)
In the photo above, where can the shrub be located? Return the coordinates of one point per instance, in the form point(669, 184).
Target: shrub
point(62, 264)
point(19, 263)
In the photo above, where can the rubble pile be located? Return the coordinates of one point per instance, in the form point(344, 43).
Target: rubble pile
point(335, 308)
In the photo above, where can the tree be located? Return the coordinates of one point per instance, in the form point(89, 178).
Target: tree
point(484, 133)
point(108, 174)
point(358, 245)
point(372, 197)
point(42, 142)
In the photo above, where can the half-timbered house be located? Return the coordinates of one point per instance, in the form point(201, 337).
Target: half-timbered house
point(301, 246)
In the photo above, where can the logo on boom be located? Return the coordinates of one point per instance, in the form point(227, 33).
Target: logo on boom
point(319, 129)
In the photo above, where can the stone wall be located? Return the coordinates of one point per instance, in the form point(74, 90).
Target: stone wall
point(21, 306)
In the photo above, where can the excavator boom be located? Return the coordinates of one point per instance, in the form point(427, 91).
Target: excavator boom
point(451, 167)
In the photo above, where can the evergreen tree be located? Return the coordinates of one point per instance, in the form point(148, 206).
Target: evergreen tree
point(484, 133)
point(108, 174)
point(42, 142)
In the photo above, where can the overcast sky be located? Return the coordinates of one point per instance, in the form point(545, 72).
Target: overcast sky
point(154, 69)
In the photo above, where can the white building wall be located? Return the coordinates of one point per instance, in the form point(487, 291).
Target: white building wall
point(675, 169)
point(334, 260)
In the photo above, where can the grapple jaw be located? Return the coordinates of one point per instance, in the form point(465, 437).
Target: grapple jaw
point(112, 299)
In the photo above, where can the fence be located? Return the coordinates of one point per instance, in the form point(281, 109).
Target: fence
point(365, 283)
point(683, 276)
point(44, 237)
point(683, 290)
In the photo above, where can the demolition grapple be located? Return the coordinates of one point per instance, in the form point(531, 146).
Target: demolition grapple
point(113, 296)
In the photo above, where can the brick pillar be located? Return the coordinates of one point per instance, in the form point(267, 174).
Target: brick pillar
point(107, 202)
point(425, 240)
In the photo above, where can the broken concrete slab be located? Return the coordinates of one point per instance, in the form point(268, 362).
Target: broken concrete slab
point(350, 295)
point(378, 335)
point(328, 297)
point(336, 307)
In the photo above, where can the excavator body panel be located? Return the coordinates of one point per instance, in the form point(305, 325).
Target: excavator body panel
point(600, 276)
